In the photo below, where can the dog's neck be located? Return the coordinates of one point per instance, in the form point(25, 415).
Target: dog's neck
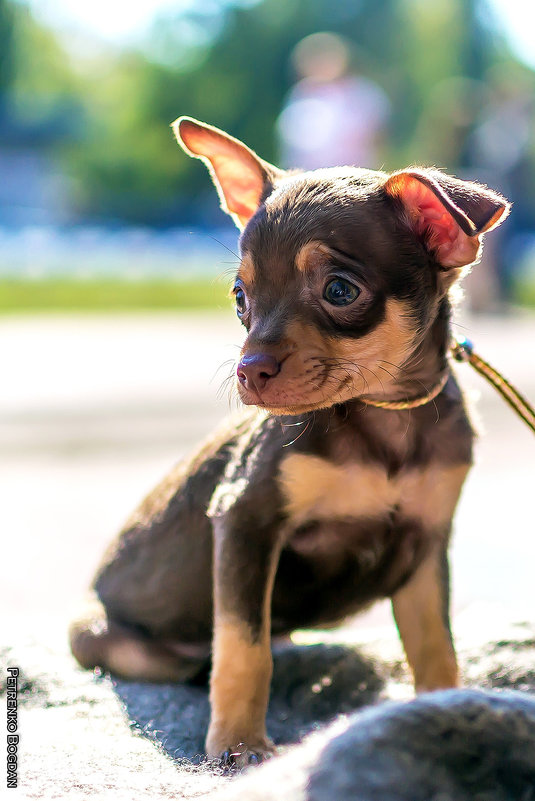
point(427, 364)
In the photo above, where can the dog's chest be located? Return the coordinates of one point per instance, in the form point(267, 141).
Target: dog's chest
point(333, 507)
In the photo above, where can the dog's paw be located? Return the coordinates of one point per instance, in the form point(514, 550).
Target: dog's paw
point(237, 749)
point(242, 755)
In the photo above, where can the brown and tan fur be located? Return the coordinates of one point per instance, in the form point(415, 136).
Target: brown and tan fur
point(314, 504)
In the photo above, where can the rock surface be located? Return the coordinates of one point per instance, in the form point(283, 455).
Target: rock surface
point(83, 735)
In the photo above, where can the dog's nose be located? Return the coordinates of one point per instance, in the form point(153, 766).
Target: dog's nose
point(254, 371)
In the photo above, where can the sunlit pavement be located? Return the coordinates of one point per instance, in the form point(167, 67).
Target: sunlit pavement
point(95, 409)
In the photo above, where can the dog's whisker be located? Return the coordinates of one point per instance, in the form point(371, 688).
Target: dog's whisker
point(424, 386)
point(409, 419)
point(225, 390)
point(301, 433)
point(219, 242)
point(221, 366)
point(363, 367)
point(403, 370)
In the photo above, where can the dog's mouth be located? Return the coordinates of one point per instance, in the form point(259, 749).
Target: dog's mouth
point(304, 382)
point(285, 399)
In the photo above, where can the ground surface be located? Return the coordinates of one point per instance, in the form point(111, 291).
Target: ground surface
point(93, 411)
point(83, 737)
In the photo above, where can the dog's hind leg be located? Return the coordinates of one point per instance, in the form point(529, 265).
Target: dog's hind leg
point(98, 641)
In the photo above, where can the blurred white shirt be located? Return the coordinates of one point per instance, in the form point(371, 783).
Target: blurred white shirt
point(329, 124)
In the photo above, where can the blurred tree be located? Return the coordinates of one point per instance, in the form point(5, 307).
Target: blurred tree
point(228, 62)
point(38, 85)
point(6, 54)
point(238, 81)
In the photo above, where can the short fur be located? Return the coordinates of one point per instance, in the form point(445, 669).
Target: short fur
point(315, 504)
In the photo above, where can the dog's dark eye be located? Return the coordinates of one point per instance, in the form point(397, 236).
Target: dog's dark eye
point(340, 293)
point(241, 303)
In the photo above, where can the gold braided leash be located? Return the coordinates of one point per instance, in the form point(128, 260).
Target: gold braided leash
point(462, 350)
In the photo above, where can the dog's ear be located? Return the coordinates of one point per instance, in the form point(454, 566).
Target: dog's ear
point(242, 179)
point(447, 214)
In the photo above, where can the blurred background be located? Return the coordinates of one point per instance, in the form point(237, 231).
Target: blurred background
point(115, 328)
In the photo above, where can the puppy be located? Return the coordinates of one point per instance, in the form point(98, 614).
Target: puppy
point(338, 488)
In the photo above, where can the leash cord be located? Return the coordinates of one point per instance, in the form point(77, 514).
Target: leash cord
point(462, 350)
point(414, 402)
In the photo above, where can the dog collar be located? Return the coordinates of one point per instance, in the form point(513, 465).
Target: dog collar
point(412, 403)
point(462, 350)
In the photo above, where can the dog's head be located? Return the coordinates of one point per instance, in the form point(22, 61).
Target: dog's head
point(343, 270)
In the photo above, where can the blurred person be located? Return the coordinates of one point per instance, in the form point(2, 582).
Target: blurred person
point(331, 116)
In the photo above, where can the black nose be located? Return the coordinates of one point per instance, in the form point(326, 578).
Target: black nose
point(254, 371)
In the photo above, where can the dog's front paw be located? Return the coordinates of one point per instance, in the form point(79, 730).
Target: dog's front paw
point(241, 754)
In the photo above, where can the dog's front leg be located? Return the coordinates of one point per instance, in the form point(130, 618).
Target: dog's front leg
point(245, 562)
point(421, 610)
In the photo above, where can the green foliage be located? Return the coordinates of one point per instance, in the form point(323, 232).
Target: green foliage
point(229, 63)
point(130, 166)
point(63, 294)
point(6, 47)
point(44, 88)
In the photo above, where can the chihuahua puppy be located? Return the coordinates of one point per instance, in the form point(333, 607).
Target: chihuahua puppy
point(339, 487)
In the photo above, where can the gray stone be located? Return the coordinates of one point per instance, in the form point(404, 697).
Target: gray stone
point(85, 736)
point(455, 745)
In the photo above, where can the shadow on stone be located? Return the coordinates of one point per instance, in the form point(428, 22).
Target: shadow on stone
point(311, 685)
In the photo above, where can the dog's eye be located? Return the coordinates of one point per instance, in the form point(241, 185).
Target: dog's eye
point(241, 303)
point(340, 292)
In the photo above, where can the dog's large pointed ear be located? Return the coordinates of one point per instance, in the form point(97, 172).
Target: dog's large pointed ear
point(447, 214)
point(242, 179)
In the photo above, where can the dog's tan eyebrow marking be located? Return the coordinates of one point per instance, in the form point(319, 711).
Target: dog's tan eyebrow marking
point(246, 270)
point(311, 255)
